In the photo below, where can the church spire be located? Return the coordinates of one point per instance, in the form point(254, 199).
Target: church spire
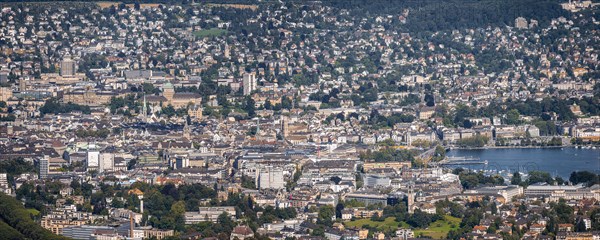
point(186, 131)
point(144, 110)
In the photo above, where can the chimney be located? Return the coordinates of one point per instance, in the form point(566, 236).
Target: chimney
point(131, 224)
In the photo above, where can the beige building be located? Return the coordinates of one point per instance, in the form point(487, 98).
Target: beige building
point(177, 100)
point(68, 67)
point(56, 225)
point(158, 234)
point(90, 97)
point(5, 93)
point(386, 165)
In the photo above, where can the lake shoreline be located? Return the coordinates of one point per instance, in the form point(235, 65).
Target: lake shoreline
point(509, 147)
point(561, 161)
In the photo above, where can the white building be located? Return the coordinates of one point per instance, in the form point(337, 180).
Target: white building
point(93, 159)
point(249, 81)
point(507, 192)
point(208, 214)
point(67, 67)
point(270, 177)
point(106, 162)
point(372, 180)
point(4, 186)
point(405, 233)
point(547, 190)
point(44, 167)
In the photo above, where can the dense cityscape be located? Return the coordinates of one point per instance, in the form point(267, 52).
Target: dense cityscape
point(298, 119)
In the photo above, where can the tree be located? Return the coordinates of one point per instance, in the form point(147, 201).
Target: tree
point(52, 105)
point(268, 105)
point(286, 103)
point(224, 220)
point(326, 213)
point(249, 107)
point(586, 177)
point(516, 179)
point(580, 227)
point(439, 154)
point(512, 116)
point(169, 111)
point(16, 221)
point(538, 176)
point(419, 219)
point(178, 208)
point(248, 182)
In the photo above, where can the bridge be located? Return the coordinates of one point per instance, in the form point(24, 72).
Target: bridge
point(462, 161)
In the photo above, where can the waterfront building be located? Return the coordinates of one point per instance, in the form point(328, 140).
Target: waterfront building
point(543, 189)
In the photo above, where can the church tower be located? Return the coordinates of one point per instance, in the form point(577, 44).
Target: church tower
point(168, 92)
point(411, 199)
point(285, 131)
point(187, 131)
point(144, 110)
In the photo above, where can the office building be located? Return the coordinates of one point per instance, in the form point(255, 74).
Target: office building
point(208, 214)
point(270, 178)
point(67, 67)
point(4, 186)
point(44, 167)
point(546, 190)
point(85, 232)
point(372, 181)
point(507, 192)
point(285, 129)
point(368, 199)
point(249, 81)
point(106, 162)
point(92, 160)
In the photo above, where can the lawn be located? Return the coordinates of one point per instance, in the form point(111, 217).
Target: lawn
point(210, 32)
point(438, 229)
point(33, 211)
point(389, 223)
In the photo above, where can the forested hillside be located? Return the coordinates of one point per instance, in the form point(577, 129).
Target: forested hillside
point(15, 222)
point(456, 14)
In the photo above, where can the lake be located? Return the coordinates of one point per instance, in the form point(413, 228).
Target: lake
point(556, 161)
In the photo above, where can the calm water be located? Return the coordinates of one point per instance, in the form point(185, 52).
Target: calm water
point(556, 161)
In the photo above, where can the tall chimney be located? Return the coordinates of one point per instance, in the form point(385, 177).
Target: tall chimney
point(131, 224)
point(141, 197)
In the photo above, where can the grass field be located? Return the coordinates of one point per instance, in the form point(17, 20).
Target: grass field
point(33, 211)
point(438, 229)
point(389, 224)
point(213, 32)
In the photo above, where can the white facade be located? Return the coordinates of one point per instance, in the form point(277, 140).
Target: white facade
point(93, 159)
point(67, 67)
point(44, 167)
point(106, 162)
point(270, 177)
point(249, 81)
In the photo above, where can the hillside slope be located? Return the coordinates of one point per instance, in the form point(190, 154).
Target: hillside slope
point(15, 222)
